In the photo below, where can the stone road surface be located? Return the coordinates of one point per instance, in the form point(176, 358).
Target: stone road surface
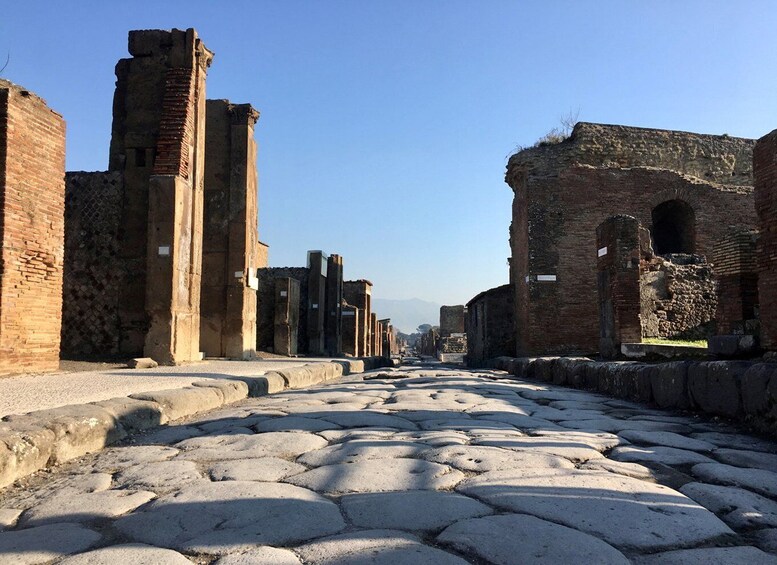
point(417, 465)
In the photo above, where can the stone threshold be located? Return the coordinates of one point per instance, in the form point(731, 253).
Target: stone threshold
point(36, 440)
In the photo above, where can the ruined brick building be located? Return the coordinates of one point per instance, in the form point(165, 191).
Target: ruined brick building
point(689, 190)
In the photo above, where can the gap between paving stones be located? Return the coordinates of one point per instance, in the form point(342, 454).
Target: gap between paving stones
point(33, 441)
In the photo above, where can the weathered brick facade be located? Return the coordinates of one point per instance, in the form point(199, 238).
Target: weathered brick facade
point(452, 320)
point(350, 330)
point(286, 331)
point(765, 168)
point(266, 307)
point(358, 293)
point(32, 196)
point(736, 271)
point(564, 191)
point(491, 325)
point(230, 240)
point(334, 304)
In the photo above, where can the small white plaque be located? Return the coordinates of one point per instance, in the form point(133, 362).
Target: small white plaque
point(284, 293)
point(546, 278)
point(349, 313)
point(603, 251)
point(238, 274)
point(314, 306)
point(164, 250)
point(526, 279)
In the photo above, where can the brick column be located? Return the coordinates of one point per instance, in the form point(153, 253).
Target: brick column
point(334, 300)
point(617, 241)
point(765, 177)
point(318, 264)
point(735, 265)
point(32, 208)
point(286, 320)
point(359, 294)
point(350, 330)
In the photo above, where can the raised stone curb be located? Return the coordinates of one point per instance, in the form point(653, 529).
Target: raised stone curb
point(33, 441)
point(742, 390)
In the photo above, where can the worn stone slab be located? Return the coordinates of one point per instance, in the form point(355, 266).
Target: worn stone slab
point(295, 423)
point(739, 508)
point(159, 476)
point(135, 553)
point(233, 516)
point(433, 438)
point(709, 556)
point(742, 458)
point(359, 450)
point(667, 439)
point(24, 449)
point(378, 475)
point(363, 418)
point(757, 480)
point(142, 363)
point(262, 385)
point(134, 415)
point(231, 390)
point(480, 458)
point(410, 510)
point(268, 469)
point(84, 507)
point(625, 512)
point(518, 421)
point(465, 425)
point(634, 470)
point(571, 449)
point(375, 547)
point(117, 458)
point(658, 454)
point(45, 543)
point(8, 517)
point(338, 436)
point(601, 441)
point(737, 441)
point(512, 538)
point(766, 539)
point(241, 446)
point(169, 434)
point(264, 555)
point(617, 425)
point(180, 402)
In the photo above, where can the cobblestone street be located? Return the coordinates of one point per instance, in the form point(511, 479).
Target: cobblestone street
point(412, 465)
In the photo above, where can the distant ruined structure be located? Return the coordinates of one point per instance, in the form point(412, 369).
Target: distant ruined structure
point(688, 191)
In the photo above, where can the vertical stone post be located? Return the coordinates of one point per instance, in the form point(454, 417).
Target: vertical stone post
point(735, 265)
point(286, 321)
point(374, 335)
point(350, 330)
point(318, 265)
point(334, 301)
point(32, 208)
point(452, 320)
point(765, 173)
point(359, 294)
point(230, 240)
point(618, 255)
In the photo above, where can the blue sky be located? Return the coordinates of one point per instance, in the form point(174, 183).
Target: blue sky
point(385, 126)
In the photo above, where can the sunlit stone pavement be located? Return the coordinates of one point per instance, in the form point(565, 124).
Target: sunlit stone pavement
point(418, 465)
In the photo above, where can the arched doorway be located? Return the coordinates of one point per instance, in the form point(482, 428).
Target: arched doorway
point(674, 228)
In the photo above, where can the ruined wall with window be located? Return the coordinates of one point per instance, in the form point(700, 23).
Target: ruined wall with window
point(688, 189)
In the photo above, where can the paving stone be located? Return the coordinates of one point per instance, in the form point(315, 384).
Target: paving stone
point(709, 556)
point(555, 445)
point(294, 423)
point(556, 415)
point(269, 444)
point(115, 459)
point(233, 516)
point(465, 425)
point(766, 539)
point(8, 517)
point(519, 421)
point(626, 512)
point(737, 507)
point(737, 441)
point(601, 441)
point(480, 458)
point(410, 510)
point(375, 547)
point(219, 425)
point(360, 450)
point(267, 469)
point(85, 507)
point(45, 543)
point(135, 553)
point(658, 454)
point(634, 470)
point(169, 434)
point(260, 556)
point(326, 410)
point(616, 425)
point(159, 476)
point(365, 418)
point(338, 436)
point(667, 439)
point(379, 475)
point(757, 480)
point(434, 438)
point(512, 538)
point(742, 458)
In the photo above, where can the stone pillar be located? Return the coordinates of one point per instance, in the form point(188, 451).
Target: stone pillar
point(385, 342)
point(318, 265)
point(286, 316)
point(157, 143)
point(452, 320)
point(765, 173)
point(374, 336)
point(32, 208)
point(350, 330)
point(230, 240)
point(735, 264)
point(334, 300)
point(359, 294)
point(617, 241)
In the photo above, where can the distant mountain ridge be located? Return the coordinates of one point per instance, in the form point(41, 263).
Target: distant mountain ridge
point(407, 315)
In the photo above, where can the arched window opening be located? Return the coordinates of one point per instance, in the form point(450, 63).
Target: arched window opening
point(674, 228)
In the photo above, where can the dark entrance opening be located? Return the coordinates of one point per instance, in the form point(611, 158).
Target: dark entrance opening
point(674, 228)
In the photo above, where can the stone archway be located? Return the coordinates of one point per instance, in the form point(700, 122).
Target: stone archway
point(674, 228)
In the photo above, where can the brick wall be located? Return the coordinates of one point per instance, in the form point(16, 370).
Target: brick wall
point(32, 206)
point(735, 264)
point(491, 325)
point(94, 269)
point(452, 320)
point(765, 168)
point(358, 293)
point(265, 312)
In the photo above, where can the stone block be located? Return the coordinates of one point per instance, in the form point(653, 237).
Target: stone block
point(134, 415)
point(177, 403)
point(543, 368)
point(715, 386)
point(262, 385)
point(355, 366)
point(301, 377)
point(759, 391)
point(669, 384)
point(523, 366)
point(591, 374)
point(231, 390)
point(142, 363)
point(577, 374)
point(731, 345)
point(24, 449)
point(561, 368)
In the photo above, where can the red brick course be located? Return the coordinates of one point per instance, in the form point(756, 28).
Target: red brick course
point(765, 169)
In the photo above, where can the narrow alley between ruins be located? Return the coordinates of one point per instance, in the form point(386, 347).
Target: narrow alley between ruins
point(417, 464)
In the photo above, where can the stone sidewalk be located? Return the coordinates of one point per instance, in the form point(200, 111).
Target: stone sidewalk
point(409, 466)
